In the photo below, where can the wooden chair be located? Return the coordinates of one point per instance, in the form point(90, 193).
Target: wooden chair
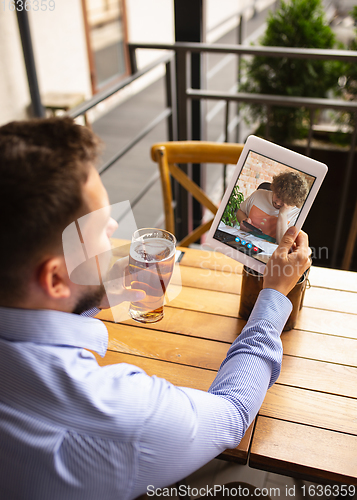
point(169, 154)
point(265, 185)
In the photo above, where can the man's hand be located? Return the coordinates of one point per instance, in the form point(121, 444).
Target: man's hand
point(282, 222)
point(285, 208)
point(284, 269)
point(249, 220)
point(115, 286)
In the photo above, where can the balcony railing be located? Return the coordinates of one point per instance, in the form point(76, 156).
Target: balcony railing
point(179, 94)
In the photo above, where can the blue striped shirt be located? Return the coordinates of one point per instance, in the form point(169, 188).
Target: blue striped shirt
point(70, 429)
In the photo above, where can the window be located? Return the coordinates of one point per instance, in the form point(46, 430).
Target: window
point(106, 38)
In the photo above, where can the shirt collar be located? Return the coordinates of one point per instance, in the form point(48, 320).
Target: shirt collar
point(50, 327)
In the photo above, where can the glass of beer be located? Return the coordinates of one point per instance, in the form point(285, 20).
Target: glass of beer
point(151, 263)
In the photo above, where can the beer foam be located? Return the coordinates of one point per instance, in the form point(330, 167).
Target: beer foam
point(152, 250)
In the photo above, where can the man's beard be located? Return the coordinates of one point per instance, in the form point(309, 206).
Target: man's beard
point(90, 299)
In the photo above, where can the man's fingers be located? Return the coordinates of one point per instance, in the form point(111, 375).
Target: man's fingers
point(289, 237)
point(302, 252)
point(302, 249)
point(302, 240)
point(286, 242)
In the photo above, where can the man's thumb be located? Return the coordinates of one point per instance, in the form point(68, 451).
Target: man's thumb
point(289, 237)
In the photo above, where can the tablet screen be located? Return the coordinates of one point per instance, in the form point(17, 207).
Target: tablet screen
point(267, 198)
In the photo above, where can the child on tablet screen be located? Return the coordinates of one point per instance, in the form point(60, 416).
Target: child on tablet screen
point(276, 210)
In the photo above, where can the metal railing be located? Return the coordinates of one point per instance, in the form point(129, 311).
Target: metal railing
point(179, 94)
point(185, 94)
point(169, 113)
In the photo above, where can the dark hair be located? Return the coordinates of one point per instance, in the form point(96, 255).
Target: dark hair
point(43, 165)
point(291, 187)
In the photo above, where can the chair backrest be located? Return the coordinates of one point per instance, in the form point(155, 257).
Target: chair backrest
point(169, 154)
point(265, 185)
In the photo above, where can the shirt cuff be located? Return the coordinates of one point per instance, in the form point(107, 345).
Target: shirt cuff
point(272, 306)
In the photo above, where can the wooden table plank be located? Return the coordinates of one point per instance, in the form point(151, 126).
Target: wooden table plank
point(206, 259)
point(209, 279)
point(331, 300)
point(228, 281)
point(165, 346)
point(205, 325)
point(215, 261)
point(209, 259)
point(216, 272)
point(319, 376)
point(302, 406)
point(192, 323)
point(194, 299)
point(334, 279)
point(302, 451)
point(213, 301)
point(328, 322)
point(315, 297)
point(304, 344)
point(320, 347)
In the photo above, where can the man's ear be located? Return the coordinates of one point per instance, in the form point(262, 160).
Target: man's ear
point(53, 278)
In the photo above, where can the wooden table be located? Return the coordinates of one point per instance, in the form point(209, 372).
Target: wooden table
point(307, 425)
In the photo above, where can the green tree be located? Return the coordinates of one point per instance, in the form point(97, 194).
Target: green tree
point(298, 23)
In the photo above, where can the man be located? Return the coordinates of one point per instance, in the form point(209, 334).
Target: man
point(276, 210)
point(69, 428)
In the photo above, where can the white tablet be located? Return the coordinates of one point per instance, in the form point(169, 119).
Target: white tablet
point(272, 188)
